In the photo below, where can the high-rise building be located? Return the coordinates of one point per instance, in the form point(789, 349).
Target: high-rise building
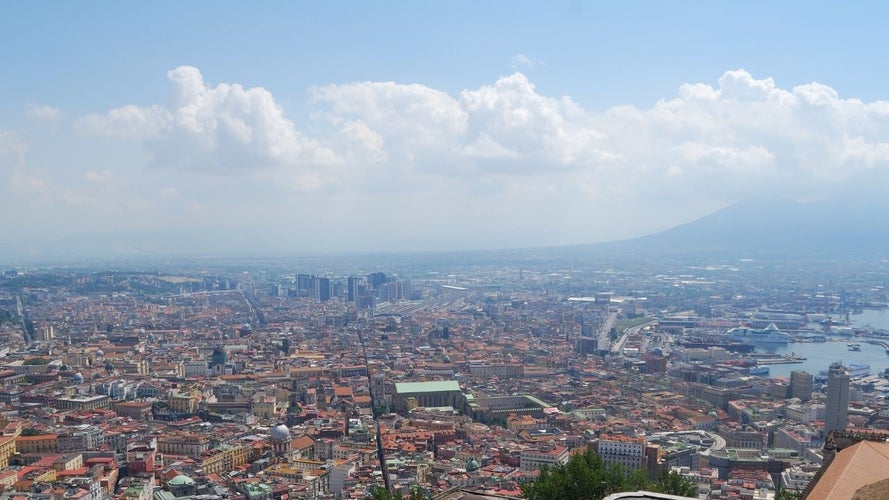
point(375, 280)
point(353, 283)
point(836, 408)
point(321, 288)
point(801, 385)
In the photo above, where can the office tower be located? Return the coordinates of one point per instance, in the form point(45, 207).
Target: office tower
point(304, 282)
point(801, 385)
point(321, 287)
point(375, 280)
point(352, 284)
point(836, 410)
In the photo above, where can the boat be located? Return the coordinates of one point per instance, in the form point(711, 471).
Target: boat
point(759, 370)
point(768, 335)
point(855, 370)
point(858, 370)
point(854, 347)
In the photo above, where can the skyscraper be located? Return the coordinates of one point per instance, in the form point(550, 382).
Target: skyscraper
point(321, 287)
point(801, 385)
point(836, 411)
point(353, 284)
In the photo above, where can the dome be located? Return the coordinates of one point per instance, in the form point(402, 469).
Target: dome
point(100, 352)
point(181, 480)
point(472, 465)
point(78, 378)
point(280, 433)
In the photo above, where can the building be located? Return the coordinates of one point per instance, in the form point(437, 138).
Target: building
point(188, 444)
point(499, 408)
point(532, 460)
point(41, 443)
point(224, 459)
point(801, 385)
point(321, 289)
point(7, 449)
point(410, 395)
point(280, 440)
point(627, 451)
point(836, 407)
point(861, 467)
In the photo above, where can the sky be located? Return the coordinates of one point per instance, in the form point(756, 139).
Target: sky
point(393, 126)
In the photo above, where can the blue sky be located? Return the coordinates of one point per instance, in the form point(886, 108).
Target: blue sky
point(452, 124)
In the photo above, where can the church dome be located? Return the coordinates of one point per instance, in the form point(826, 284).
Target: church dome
point(181, 480)
point(280, 433)
point(78, 378)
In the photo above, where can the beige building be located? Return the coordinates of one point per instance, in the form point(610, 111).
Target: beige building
point(191, 445)
point(7, 449)
point(224, 459)
point(43, 443)
point(185, 402)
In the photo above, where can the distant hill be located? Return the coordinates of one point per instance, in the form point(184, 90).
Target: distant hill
point(779, 228)
point(756, 228)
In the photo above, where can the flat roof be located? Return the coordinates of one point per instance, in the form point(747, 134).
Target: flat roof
point(434, 386)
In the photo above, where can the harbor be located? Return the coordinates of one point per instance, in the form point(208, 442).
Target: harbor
point(814, 357)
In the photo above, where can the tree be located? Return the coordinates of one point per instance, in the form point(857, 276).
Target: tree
point(380, 493)
point(674, 484)
point(785, 494)
point(587, 477)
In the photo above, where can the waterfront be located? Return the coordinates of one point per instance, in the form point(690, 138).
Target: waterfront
point(820, 355)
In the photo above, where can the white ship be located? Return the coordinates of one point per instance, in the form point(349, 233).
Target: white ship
point(768, 335)
point(855, 370)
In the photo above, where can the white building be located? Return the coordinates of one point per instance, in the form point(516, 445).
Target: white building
point(532, 460)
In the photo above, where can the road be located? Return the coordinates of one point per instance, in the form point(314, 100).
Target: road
point(603, 341)
point(633, 330)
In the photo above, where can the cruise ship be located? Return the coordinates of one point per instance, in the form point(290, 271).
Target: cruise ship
point(855, 370)
point(759, 370)
point(768, 335)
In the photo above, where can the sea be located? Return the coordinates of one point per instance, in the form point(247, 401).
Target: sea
point(819, 355)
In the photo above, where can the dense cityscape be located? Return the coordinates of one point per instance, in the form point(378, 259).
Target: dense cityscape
point(259, 381)
point(462, 250)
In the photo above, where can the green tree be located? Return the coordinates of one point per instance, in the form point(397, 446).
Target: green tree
point(785, 494)
point(587, 477)
point(674, 484)
point(379, 493)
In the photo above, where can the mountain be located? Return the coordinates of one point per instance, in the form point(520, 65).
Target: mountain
point(757, 228)
point(776, 227)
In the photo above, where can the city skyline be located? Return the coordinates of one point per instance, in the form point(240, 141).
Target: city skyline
point(380, 128)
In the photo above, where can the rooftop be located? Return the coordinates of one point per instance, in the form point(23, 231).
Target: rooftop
point(435, 386)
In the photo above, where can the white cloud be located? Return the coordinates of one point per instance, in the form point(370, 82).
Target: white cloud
point(221, 129)
point(502, 149)
point(13, 148)
point(520, 61)
point(128, 121)
point(42, 112)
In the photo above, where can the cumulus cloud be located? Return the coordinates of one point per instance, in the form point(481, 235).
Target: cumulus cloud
point(128, 121)
point(723, 141)
point(215, 129)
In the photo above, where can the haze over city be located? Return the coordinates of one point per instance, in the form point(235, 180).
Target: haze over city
point(308, 127)
point(444, 250)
